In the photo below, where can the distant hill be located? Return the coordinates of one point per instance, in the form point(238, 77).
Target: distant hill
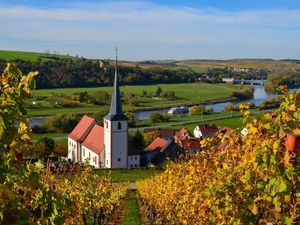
point(29, 56)
point(195, 64)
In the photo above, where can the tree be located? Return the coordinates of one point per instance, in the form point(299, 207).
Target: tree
point(197, 110)
point(61, 149)
point(150, 136)
point(131, 118)
point(158, 92)
point(45, 146)
point(138, 140)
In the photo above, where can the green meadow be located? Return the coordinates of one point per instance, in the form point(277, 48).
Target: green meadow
point(187, 93)
point(28, 56)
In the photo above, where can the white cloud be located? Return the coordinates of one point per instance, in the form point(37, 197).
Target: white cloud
point(141, 24)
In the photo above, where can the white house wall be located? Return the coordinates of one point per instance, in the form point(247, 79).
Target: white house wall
point(134, 161)
point(197, 132)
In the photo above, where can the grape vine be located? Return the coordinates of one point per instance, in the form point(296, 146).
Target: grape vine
point(30, 193)
point(253, 180)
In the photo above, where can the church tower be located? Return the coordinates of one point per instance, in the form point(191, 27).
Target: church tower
point(116, 130)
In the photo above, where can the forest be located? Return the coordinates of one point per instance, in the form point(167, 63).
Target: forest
point(62, 73)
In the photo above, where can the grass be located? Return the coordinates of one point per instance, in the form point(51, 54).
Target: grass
point(127, 175)
point(49, 135)
point(69, 110)
point(28, 56)
point(132, 216)
point(187, 93)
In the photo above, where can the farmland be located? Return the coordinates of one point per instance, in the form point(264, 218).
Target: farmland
point(186, 93)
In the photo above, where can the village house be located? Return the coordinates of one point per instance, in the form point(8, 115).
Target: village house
point(205, 130)
point(191, 146)
point(182, 134)
point(159, 151)
point(104, 146)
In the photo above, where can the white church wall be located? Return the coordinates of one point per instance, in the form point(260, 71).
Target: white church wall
point(134, 161)
point(107, 141)
point(115, 141)
point(119, 150)
point(72, 149)
point(90, 155)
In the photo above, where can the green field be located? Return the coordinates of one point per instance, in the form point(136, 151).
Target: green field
point(231, 122)
point(28, 56)
point(127, 175)
point(187, 93)
point(49, 135)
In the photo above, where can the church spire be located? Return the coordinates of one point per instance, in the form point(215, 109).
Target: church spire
point(116, 112)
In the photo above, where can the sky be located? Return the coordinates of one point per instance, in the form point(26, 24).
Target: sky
point(153, 29)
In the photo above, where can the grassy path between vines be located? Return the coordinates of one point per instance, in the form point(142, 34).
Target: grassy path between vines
point(132, 216)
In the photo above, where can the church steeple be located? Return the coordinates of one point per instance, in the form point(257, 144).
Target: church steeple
point(116, 112)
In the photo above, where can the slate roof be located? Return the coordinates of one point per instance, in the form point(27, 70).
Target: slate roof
point(116, 112)
point(95, 139)
point(82, 129)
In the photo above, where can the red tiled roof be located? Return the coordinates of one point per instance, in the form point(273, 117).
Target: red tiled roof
point(190, 144)
point(225, 130)
point(82, 129)
point(157, 144)
point(182, 134)
point(95, 139)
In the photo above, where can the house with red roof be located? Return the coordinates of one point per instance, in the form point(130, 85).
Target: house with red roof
point(105, 146)
point(205, 130)
point(159, 150)
point(191, 145)
point(182, 134)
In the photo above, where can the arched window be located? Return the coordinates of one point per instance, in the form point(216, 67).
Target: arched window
point(106, 124)
point(119, 126)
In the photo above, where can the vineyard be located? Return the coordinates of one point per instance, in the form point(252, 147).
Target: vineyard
point(237, 180)
point(31, 194)
point(252, 179)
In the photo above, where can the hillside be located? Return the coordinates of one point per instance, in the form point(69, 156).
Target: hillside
point(201, 65)
point(197, 65)
point(29, 56)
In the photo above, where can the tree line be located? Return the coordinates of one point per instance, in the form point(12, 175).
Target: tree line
point(62, 73)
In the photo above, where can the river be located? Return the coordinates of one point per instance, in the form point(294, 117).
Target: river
point(260, 95)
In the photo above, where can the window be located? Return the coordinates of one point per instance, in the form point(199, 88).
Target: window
point(135, 157)
point(119, 126)
point(89, 156)
point(135, 165)
point(106, 123)
point(83, 151)
point(119, 159)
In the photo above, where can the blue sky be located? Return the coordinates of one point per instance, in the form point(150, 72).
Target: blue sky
point(143, 30)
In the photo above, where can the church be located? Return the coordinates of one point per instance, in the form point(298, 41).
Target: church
point(107, 146)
